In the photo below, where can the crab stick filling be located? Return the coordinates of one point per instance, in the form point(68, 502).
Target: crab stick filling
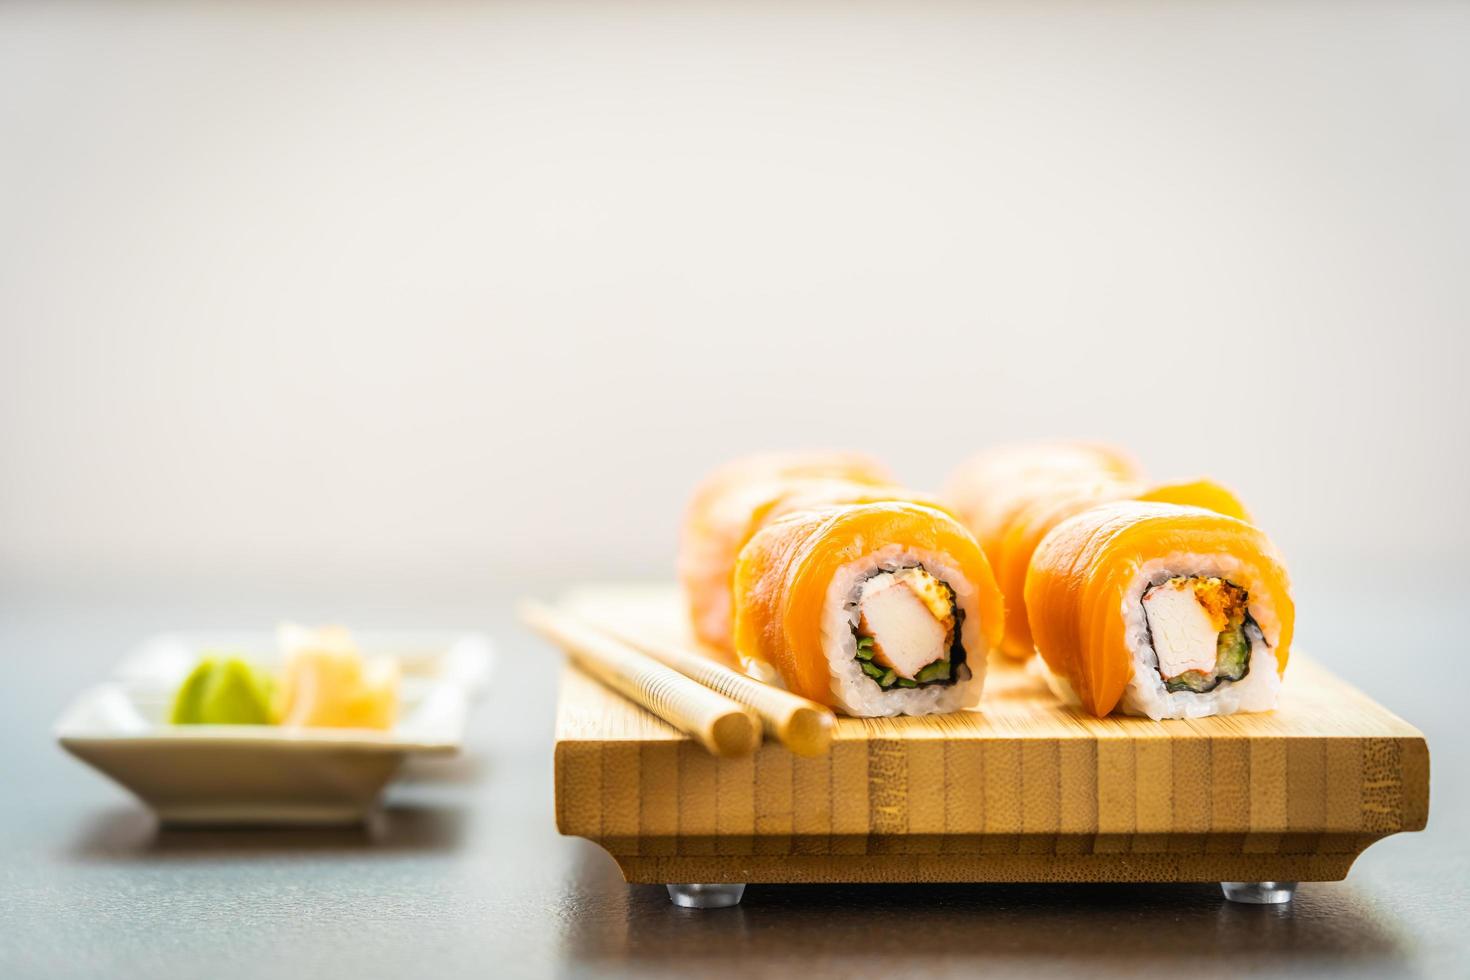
point(906, 626)
point(1198, 626)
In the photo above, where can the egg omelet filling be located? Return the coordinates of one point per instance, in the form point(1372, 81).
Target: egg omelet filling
point(908, 629)
point(1201, 631)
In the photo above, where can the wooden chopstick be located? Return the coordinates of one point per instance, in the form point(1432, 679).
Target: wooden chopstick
point(803, 726)
point(721, 725)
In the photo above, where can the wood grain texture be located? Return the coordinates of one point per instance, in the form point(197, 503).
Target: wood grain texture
point(1025, 790)
point(723, 726)
point(803, 726)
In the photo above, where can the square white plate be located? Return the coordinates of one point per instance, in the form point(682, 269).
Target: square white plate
point(253, 774)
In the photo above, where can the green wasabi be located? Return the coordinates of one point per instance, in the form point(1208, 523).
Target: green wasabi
point(223, 691)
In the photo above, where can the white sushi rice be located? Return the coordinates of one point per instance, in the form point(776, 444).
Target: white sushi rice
point(855, 692)
point(1258, 690)
point(1059, 686)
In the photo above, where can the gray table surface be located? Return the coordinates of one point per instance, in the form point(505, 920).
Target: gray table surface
point(465, 875)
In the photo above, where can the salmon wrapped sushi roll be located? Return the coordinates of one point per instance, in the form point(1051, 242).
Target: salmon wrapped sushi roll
point(1010, 551)
point(986, 490)
point(731, 504)
point(1161, 610)
point(1005, 497)
point(1011, 497)
point(876, 609)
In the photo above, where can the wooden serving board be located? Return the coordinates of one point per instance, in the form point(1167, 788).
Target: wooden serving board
point(1022, 790)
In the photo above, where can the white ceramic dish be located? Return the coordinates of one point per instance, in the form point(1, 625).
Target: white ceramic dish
point(253, 774)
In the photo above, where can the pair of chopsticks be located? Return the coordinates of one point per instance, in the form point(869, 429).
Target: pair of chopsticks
point(724, 710)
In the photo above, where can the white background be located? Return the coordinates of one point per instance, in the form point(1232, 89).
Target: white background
point(447, 294)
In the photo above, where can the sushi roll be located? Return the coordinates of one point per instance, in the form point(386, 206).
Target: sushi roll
point(1011, 497)
point(875, 609)
point(732, 504)
point(1161, 610)
point(987, 489)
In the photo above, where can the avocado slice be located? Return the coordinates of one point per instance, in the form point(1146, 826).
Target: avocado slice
point(937, 671)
